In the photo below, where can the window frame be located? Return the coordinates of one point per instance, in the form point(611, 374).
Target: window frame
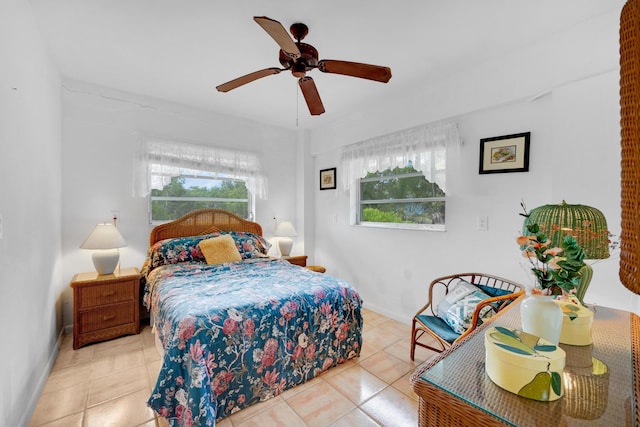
point(395, 225)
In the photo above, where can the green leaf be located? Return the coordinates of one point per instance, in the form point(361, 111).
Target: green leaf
point(506, 331)
point(545, 348)
point(513, 342)
point(556, 383)
point(514, 349)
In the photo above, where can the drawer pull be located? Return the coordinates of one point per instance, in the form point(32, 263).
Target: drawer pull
point(109, 294)
point(106, 318)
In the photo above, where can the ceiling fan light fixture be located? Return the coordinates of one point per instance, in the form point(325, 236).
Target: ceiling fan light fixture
point(299, 69)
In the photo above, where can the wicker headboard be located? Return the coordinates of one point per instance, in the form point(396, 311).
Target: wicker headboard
point(203, 221)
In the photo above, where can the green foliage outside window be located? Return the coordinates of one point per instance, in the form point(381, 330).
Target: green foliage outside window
point(376, 215)
point(401, 195)
point(177, 198)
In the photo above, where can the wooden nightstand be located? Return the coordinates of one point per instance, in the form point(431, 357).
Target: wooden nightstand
point(105, 306)
point(300, 260)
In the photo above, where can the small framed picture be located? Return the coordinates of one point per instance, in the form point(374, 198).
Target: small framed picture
point(508, 153)
point(328, 179)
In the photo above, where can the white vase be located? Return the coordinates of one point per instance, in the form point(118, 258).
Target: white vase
point(542, 317)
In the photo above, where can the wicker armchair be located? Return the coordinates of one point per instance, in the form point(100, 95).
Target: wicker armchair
point(427, 322)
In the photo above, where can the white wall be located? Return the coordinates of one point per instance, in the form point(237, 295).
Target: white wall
point(30, 267)
point(564, 90)
point(100, 133)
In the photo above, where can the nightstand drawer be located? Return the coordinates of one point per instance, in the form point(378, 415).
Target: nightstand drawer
point(300, 260)
point(106, 317)
point(108, 293)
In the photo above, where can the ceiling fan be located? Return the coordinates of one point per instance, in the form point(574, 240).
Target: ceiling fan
point(301, 57)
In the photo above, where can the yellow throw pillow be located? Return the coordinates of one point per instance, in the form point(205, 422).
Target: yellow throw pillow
point(219, 250)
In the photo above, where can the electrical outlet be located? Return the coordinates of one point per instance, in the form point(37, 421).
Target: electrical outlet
point(482, 223)
point(115, 215)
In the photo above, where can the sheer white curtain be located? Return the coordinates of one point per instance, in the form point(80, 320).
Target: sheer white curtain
point(157, 161)
point(421, 145)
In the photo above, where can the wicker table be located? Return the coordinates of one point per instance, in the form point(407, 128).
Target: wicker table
point(454, 390)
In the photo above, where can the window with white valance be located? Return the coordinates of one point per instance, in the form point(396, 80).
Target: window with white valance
point(400, 178)
point(157, 161)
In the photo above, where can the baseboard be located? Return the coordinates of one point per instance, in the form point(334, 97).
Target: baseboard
point(381, 310)
point(42, 381)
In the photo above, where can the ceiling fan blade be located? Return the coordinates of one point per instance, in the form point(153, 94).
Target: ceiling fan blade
point(279, 34)
point(355, 69)
point(248, 78)
point(311, 95)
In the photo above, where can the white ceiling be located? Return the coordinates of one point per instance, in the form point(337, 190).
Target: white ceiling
point(180, 50)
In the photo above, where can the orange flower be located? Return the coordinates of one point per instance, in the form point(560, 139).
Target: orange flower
point(528, 254)
point(538, 291)
point(553, 251)
point(539, 245)
point(524, 240)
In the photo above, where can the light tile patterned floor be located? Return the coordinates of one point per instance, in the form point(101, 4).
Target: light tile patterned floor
point(107, 384)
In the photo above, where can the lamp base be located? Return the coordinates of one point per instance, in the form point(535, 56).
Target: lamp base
point(105, 260)
point(285, 244)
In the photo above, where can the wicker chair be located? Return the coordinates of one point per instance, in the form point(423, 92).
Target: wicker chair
point(426, 321)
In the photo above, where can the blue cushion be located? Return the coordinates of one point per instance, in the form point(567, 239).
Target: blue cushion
point(494, 292)
point(438, 326)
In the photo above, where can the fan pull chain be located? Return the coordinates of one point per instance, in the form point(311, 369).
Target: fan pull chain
point(297, 103)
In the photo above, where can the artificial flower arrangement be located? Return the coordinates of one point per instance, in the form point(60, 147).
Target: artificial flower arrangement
point(557, 270)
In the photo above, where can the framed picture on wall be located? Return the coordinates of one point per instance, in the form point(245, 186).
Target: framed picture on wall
point(328, 179)
point(508, 153)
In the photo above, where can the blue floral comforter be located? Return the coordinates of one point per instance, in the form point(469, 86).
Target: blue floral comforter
point(239, 333)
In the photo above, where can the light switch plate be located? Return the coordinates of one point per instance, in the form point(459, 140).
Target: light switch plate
point(483, 223)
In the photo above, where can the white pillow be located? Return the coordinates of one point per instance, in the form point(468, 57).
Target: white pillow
point(460, 313)
point(461, 290)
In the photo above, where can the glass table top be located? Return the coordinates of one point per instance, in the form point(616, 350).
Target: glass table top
point(598, 378)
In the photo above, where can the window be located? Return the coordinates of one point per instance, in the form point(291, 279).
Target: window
point(186, 193)
point(401, 196)
point(400, 178)
point(180, 177)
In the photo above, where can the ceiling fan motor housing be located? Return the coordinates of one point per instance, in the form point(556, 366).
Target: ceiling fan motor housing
point(308, 59)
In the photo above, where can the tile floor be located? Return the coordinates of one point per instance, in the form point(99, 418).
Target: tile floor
point(107, 384)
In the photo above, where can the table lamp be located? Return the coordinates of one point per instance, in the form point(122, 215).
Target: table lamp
point(285, 232)
point(105, 239)
point(588, 225)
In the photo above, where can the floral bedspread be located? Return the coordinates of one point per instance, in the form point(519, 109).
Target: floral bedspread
point(236, 334)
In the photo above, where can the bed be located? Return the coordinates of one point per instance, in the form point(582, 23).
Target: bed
point(238, 332)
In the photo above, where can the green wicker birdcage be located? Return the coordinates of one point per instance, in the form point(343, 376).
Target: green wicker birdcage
point(588, 225)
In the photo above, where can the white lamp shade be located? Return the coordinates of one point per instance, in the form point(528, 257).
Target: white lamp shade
point(285, 229)
point(105, 239)
point(104, 236)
